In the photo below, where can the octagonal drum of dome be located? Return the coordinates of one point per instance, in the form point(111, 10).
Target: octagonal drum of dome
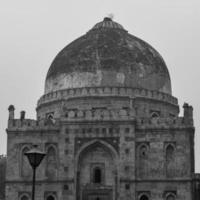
point(108, 56)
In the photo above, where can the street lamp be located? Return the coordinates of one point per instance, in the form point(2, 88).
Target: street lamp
point(35, 156)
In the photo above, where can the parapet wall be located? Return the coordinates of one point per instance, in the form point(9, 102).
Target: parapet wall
point(30, 124)
point(2, 156)
point(163, 123)
point(106, 91)
point(106, 115)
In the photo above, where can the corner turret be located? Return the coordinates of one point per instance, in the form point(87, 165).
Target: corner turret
point(22, 115)
point(11, 110)
point(188, 113)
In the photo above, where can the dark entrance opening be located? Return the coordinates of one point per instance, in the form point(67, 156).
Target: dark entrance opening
point(144, 197)
point(50, 198)
point(97, 177)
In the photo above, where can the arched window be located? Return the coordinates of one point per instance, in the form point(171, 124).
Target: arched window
point(50, 198)
point(144, 197)
point(143, 151)
point(50, 120)
point(24, 197)
point(154, 115)
point(25, 166)
point(170, 161)
point(97, 175)
point(50, 117)
point(170, 197)
point(142, 160)
point(51, 163)
point(169, 152)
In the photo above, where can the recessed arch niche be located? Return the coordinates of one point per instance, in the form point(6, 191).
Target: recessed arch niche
point(96, 167)
point(51, 162)
point(26, 170)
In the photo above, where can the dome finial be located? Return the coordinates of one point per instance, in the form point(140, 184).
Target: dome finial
point(109, 17)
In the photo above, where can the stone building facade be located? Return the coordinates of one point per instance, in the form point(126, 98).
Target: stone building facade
point(109, 125)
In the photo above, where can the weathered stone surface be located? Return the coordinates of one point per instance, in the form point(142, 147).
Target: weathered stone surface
point(108, 55)
point(109, 125)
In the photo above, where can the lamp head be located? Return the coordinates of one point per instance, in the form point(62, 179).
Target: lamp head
point(35, 156)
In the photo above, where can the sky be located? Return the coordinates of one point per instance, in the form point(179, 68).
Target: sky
point(33, 32)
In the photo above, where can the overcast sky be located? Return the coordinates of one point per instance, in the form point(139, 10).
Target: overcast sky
point(33, 32)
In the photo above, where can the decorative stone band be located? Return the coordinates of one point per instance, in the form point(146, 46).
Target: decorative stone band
point(100, 114)
point(87, 117)
point(106, 91)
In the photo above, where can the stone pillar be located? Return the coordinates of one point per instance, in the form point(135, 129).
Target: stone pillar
point(11, 110)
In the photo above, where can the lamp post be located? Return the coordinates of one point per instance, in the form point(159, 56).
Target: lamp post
point(35, 156)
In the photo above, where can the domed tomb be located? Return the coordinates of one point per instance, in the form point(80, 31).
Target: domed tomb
point(108, 56)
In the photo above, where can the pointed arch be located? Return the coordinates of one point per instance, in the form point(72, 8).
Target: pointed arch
point(142, 157)
point(51, 162)
point(96, 165)
point(170, 152)
point(25, 166)
point(24, 196)
point(144, 197)
point(155, 115)
point(94, 143)
point(170, 197)
point(50, 197)
point(170, 160)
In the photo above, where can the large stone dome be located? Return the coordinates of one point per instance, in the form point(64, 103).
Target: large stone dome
point(108, 56)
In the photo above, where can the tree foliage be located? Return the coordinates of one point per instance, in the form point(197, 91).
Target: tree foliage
point(2, 176)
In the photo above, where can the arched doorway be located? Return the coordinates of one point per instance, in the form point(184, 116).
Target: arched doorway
point(170, 197)
point(24, 197)
point(144, 197)
point(50, 198)
point(96, 172)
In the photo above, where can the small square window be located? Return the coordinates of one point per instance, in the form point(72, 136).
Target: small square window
point(76, 131)
point(127, 130)
point(67, 131)
point(66, 169)
point(66, 151)
point(66, 140)
point(127, 186)
point(127, 151)
point(97, 130)
point(103, 130)
point(126, 168)
point(117, 130)
point(66, 187)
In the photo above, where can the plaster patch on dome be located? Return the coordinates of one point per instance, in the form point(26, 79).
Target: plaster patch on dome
point(142, 70)
point(154, 52)
point(166, 87)
point(120, 78)
point(75, 79)
point(132, 44)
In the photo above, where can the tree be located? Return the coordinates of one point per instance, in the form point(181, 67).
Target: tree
point(2, 176)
